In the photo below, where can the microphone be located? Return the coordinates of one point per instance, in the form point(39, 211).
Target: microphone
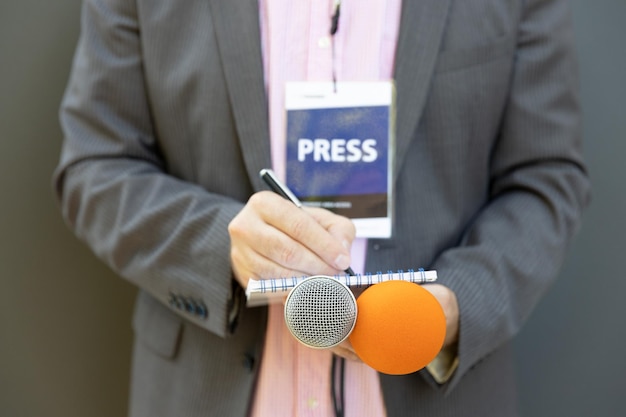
point(400, 328)
point(320, 311)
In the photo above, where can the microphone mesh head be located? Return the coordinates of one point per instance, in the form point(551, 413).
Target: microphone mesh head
point(320, 311)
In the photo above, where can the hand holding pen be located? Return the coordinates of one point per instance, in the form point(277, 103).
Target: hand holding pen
point(273, 237)
point(278, 187)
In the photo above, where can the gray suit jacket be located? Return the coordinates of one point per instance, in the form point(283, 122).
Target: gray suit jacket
point(166, 129)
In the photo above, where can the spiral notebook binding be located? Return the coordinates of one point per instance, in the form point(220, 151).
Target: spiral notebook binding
point(261, 292)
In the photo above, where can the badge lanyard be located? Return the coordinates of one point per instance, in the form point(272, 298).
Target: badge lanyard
point(334, 26)
point(337, 372)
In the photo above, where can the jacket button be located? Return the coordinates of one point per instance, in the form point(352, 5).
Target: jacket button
point(176, 301)
point(172, 300)
point(248, 361)
point(188, 304)
point(201, 310)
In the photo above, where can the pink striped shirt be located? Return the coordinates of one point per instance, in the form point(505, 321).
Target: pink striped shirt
point(295, 380)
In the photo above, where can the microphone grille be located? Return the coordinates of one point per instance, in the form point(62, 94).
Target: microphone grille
point(320, 311)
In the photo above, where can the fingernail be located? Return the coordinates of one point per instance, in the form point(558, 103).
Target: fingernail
point(346, 245)
point(342, 262)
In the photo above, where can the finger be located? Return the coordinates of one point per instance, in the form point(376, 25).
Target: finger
point(340, 227)
point(260, 249)
point(448, 301)
point(294, 254)
point(277, 256)
point(346, 351)
point(248, 233)
point(303, 232)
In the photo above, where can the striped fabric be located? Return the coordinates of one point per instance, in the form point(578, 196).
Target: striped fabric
point(295, 380)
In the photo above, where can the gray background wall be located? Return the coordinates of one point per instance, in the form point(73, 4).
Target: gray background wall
point(64, 318)
point(572, 353)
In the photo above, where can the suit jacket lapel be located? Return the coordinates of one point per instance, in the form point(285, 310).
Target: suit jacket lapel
point(238, 37)
point(421, 30)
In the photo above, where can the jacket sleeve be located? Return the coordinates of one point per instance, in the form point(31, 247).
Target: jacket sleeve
point(512, 250)
point(166, 235)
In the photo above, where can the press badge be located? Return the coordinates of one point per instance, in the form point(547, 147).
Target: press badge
point(340, 142)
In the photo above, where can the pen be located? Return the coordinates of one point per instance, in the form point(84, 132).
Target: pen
point(278, 187)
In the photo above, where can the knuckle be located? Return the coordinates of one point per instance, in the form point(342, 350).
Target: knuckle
point(298, 227)
point(255, 199)
point(259, 200)
point(235, 256)
point(352, 227)
point(288, 256)
point(347, 225)
point(234, 227)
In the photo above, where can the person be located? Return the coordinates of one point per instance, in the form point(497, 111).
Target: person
point(173, 108)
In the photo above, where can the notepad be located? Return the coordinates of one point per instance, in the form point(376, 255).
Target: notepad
point(268, 291)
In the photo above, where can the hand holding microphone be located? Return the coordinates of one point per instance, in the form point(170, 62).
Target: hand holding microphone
point(401, 327)
point(396, 327)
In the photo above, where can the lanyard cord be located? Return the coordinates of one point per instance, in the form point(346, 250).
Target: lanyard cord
point(337, 375)
point(334, 20)
point(334, 26)
point(337, 371)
